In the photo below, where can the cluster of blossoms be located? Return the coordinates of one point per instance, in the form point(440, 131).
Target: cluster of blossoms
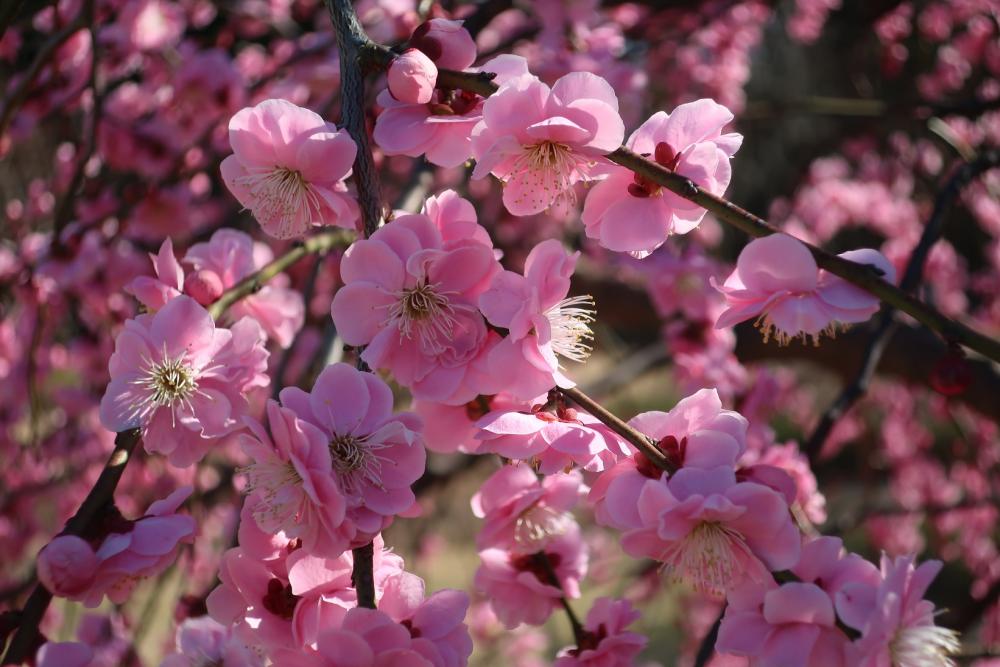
point(472, 308)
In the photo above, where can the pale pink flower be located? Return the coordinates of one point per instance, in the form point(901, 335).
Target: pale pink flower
point(543, 324)
point(436, 624)
point(412, 77)
point(450, 428)
point(229, 257)
point(441, 129)
point(64, 654)
point(182, 380)
point(67, 566)
point(606, 642)
point(204, 641)
point(629, 213)
point(521, 588)
point(793, 625)
point(552, 441)
point(445, 42)
point(456, 220)
point(847, 578)
point(541, 141)
point(704, 526)
point(900, 629)
point(777, 280)
point(521, 512)
point(376, 454)
point(154, 293)
point(412, 301)
point(288, 167)
point(293, 477)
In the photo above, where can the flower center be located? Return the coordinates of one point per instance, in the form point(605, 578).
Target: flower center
point(711, 558)
point(570, 321)
point(278, 486)
point(279, 196)
point(546, 172)
point(537, 524)
point(165, 383)
point(424, 310)
point(924, 646)
point(279, 599)
point(356, 462)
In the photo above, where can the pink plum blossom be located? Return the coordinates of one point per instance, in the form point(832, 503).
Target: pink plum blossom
point(441, 129)
point(704, 526)
point(436, 624)
point(456, 220)
point(777, 280)
point(288, 167)
point(154, 293)
point(412, 77)
point(182, 380)
point(628, 213)
point(552, 441)
point(521, 588)
point(793, 625)
point(606, 642)
point(449, 428)
point(376, 454)
point(522, 513)
point(293, 477)
point(411, 299)
point(900, 629)
point(202, 640)
point(445, 42)
point(133, 550)
point(543, 324)
point(541, 141)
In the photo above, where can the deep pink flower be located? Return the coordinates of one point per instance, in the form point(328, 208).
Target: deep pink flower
point(412, 301)
point(436, 624)
point(541, 141)
point(456, 220)
point(294, 480)
point(441, 129)
point(182, 380)
point(847, 578)
point(606, 642)
point(900, 629)
point(520, 586)
point(522, 513)
point(412, 77)
point(445, 42)
point(777, 280)
point(793, 625)
point(67, 566)
point(552, 441)
point(543, 324)
point(154, 293)
point(449, 428)
point(202, 640)
point(288, 167)
point(628, 213)
point(375, 453)
point(705, 527)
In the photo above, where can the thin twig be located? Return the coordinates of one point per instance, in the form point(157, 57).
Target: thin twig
point(886, 324)
point(640, 440)
point(707, 647)
point(101, 496)
point(543, 561)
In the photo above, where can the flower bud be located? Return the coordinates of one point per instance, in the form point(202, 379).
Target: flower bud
point(412, 77)
point(445, 42)
point(67, 566)
point(203, 286)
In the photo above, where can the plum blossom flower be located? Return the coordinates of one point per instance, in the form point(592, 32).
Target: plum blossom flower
point(628, 213)
point(900, 629)
point(288, 167)
point(449, 428)
point(445, 42)
point(182, 380)
point(436, 624)
point(522, 513)
point(204, 641)
point(411, 299)
point(526, 588)
point(606, 642)
point(541, 141)
point(441, 129)
point(412, 77)
point(777, 280)
point(704, 526)
point(543, 324)
point(154, 293)
point(293, 477)
point(376, 455)
point(793, 624)
point(73, 568)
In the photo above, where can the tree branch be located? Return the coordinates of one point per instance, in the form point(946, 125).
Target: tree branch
point(707, 647)
point(100, 496)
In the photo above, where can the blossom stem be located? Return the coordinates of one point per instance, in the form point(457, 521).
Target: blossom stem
point(640, 440)
point(101, 495)
point(545, 564)
point(319, 243)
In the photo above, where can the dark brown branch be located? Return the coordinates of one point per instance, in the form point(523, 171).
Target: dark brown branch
point(912, 276)
point(99, 498)
point(363, 575)
point(707, 647)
